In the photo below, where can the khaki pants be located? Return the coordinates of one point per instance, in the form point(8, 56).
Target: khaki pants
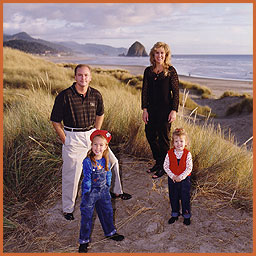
point(74, 151)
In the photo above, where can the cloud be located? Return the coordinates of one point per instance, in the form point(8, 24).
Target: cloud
point(82, 20)
point(120, 24)
point(95, 14)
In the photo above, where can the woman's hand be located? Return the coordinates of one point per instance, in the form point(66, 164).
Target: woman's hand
point(172, 116)
point(145, 116)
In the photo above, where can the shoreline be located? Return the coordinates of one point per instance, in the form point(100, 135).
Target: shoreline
point(217, 85)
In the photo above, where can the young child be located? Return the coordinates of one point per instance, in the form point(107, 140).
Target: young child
point(95, 190)
point(178, 166)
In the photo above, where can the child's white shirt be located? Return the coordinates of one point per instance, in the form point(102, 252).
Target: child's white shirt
point(189, 165)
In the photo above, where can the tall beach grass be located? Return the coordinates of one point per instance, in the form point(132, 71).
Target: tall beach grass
point(32, 151)
point(23, 70)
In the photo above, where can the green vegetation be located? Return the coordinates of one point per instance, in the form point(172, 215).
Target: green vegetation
point(32, 151)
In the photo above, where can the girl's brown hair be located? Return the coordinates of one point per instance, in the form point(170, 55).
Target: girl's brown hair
point(167, 61)
point(91, 155)
point(180, 132)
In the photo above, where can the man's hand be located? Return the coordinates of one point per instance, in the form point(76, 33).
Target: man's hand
point(59, 130)
point(99, 121)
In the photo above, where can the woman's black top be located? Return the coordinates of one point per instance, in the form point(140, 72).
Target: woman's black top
point(160, 93)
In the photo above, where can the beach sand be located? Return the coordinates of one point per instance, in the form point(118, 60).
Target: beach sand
point(218, 86)
point(216, 227)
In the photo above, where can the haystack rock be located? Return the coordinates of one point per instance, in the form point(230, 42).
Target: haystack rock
point(137, 50)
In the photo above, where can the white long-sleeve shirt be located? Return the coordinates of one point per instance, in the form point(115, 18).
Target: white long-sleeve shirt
point(189, 165)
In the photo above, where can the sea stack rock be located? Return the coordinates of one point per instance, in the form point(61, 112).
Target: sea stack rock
point(137, 50)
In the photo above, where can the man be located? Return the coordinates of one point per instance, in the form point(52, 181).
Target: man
point(80, 108)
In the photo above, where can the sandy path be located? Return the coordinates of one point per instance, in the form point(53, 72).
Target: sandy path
point(215, 227)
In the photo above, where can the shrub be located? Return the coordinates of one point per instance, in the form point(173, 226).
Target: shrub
point(234, 94)
point(245, 105)
point(199, 89)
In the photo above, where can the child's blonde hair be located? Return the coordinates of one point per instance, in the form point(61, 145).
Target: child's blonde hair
point(105, 155)
point(180, 132)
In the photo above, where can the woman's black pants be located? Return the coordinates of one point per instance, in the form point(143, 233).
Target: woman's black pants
point(157, 135)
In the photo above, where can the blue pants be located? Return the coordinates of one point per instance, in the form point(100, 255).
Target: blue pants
point(180, 191)
point(101, 199)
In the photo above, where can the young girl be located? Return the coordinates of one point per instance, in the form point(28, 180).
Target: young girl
point(178, 166)
point(95, 190)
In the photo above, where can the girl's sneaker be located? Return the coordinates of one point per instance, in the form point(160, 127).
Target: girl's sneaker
point(186, 221)
point(83, 248)
point(116, 237)
point(172, 220)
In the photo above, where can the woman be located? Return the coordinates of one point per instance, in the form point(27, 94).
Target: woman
point(160, 101)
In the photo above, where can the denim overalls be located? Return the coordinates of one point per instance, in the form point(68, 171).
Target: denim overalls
point(95, 192)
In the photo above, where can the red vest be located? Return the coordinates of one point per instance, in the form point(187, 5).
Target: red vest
point(174, 167)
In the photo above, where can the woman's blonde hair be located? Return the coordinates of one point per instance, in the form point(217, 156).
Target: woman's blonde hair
point(179, 132)
point(167, 61)
point(105, 155)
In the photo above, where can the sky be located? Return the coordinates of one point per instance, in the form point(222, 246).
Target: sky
point(188, 28)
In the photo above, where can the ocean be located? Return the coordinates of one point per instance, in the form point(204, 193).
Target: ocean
point(233, 67)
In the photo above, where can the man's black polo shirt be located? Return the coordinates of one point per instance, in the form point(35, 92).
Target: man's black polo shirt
point(75, 110)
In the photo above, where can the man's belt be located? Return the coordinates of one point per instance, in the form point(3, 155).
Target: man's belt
point(78, 129)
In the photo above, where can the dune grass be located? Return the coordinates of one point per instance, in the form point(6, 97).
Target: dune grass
point(124, 76)
point(235, 94)
point(191, 105)
point(246, 105)
point(23, 70)
point(204, 91)
point(32, 151)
